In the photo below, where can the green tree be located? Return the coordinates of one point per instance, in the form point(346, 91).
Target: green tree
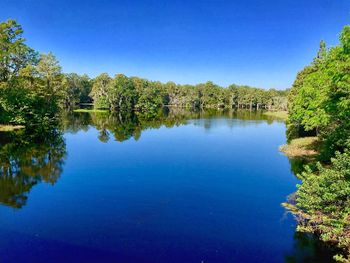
point(77, 89)
point(319, 102)
point(151, 98)
point(122, 93)
point(99, 91)
point(14, 53)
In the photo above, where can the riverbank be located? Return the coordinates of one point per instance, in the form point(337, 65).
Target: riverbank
point(301, 147)
point(283, 115)
point(8, 128)
point(91, 110)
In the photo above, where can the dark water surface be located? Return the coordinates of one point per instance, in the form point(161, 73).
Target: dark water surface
point(173, 187)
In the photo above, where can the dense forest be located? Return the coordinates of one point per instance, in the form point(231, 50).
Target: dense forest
point(33, 89)
point(319, 105)
point(122, 92)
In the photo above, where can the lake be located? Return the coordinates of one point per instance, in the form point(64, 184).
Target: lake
point(174, 186)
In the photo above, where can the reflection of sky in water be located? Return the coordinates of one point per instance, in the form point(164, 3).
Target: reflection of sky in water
point(224, 122)
point(207, 191)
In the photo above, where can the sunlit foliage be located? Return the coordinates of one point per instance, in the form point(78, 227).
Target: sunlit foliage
point(319, 104)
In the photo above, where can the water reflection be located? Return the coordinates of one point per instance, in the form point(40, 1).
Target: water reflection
point(30, 157)
point(308, 249)
point(297, 165)
point(125, 125)
point(27, 158)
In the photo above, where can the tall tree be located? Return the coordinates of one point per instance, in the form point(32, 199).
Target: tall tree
point(99, 91)
point(14, 53)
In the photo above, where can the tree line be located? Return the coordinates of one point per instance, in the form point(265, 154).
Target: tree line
point(33, 88)
point(122, 92)
point(319, 105)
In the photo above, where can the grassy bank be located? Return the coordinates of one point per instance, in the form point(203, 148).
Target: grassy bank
point(91, 110)
point(283, 115)
point(301, 147)
point(8, 128)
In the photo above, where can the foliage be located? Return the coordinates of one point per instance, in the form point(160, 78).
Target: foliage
point(30, 85)
point(319, 104)
point(99, 92)
point(323, 200)
point(14, 54)
point(122, 93)
point(77, 89)
point(150, 99)
point(33, 88)
point(320, 97)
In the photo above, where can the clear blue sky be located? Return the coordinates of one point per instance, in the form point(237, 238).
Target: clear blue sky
point(256, 42)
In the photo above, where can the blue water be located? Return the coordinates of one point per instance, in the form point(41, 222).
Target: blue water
point(207, 190)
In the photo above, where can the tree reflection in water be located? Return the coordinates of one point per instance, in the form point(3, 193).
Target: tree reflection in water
point(26, 159)
point(31, 156)
point(125, 125)
point(309, 249)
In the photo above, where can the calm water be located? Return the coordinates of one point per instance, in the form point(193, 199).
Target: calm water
point(173, 187)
